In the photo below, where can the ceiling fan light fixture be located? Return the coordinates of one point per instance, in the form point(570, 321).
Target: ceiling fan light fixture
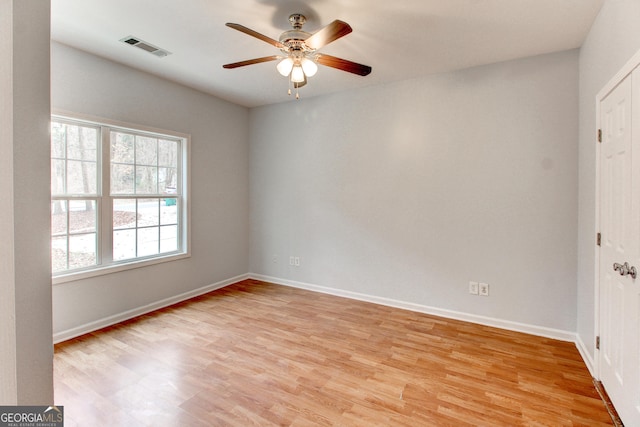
point(284, 67)
point(309, 67)
point(297, 74)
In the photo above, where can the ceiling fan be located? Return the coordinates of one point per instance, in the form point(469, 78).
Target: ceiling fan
point(300, 50)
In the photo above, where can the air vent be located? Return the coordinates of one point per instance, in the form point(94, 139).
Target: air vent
point(148, 47)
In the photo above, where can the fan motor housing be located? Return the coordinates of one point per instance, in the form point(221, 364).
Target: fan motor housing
point(294, 36)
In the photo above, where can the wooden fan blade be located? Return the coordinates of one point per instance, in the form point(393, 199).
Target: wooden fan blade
point(251, 61)
point(255, 34)
point(330, 33)
point(343, 64)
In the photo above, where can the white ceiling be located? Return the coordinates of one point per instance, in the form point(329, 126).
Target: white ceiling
point(400, 39)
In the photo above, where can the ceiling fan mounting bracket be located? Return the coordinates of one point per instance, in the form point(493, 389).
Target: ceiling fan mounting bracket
point(297, 20)
point(294, 39)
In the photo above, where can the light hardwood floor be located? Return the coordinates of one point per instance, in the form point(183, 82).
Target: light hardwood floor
point(261, 354)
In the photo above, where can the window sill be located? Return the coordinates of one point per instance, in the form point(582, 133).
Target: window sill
point(115, 268)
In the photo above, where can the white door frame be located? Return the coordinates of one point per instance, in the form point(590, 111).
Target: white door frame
point(625, 71)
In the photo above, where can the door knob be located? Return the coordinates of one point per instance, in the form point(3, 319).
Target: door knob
point(625, 269)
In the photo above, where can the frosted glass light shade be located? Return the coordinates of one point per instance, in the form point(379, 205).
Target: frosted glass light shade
point(310, 68)
point(297, 75)
point(284, 67)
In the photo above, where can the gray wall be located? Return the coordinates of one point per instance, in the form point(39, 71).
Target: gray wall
point(26, 350)
point(410, 190)
point(87, 84)
point(614, 38)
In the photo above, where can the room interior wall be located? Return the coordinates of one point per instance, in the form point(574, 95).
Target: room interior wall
point(613, 39)
point(410, 190)
point(26, 351)
point(86, 84)
point(8, 387)
point(366, 192)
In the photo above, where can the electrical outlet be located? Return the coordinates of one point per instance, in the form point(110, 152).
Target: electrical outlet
point(296, 261)
point(484, 289)
point(473, 288)
point(291, 260)
point(274, 259)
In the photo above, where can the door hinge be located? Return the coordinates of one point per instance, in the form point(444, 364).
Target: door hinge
point(599, 135)
point(598, 342)
point(599, 239)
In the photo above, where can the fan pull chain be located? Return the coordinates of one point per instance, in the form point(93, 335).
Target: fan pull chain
point(296, 86)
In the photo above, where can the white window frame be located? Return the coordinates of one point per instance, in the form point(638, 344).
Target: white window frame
point(104, 255)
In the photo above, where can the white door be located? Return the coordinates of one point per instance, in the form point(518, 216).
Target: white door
point(619, 297)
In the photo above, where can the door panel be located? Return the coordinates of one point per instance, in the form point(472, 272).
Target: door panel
point(619, 298)
point(632, 295)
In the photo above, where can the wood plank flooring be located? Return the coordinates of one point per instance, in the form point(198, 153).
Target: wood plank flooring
point(266, 355)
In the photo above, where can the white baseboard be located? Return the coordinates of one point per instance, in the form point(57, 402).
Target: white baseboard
point(130, 314)
point(588, 360)
point(450, 314)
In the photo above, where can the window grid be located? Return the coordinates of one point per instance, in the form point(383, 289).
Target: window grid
point(74, 233)
point(148, 241)
point(165, 221)
point(65, 158)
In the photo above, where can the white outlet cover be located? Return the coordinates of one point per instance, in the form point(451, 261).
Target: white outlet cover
point(473, 288)
point(484, 289)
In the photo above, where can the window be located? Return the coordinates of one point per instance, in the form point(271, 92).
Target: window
point(118, 196)
point(74, 195)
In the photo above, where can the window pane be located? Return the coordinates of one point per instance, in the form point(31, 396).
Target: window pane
point(168, 238)
point(124, 244)
point(71, 138)
point(57, 177)
point(89, 144)
point(58, 136)
point(146, 151)
point(82, 143)
point(168, 153)
point(148, 241)
point(74, 170)
point(121, 147)
point(122, 179)
point(59, 217)
point(82, 216)
point(148, 212)
point(59, 254)
point(146, 180)
point(169, 212)
point(81, 177)
point(82, 250)
point(78, 145)
point(168, 180)
point(124, 213)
